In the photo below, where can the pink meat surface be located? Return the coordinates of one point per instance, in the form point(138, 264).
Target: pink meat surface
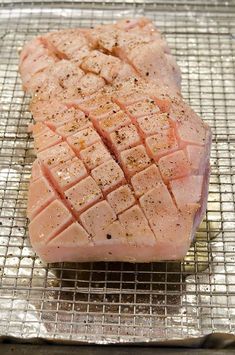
point(122, 164)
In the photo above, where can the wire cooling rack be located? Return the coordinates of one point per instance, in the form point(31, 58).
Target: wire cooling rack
point(111, 302)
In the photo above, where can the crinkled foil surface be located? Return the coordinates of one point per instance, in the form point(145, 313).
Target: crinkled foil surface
point(119, 302)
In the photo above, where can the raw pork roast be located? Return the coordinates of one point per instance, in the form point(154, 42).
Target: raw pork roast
point(122, 163)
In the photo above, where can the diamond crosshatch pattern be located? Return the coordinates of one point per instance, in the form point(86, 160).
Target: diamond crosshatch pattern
point(120, 301)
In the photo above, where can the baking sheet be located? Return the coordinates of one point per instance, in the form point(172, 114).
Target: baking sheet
point(120, 302)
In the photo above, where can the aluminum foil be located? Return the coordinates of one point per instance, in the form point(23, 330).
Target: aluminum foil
point(120, 302)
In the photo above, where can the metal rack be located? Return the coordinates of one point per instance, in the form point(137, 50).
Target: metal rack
point(113, 302)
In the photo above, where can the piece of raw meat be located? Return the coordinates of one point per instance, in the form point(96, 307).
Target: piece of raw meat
point(122, 164)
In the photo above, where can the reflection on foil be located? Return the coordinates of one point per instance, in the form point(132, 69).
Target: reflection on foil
point(24, 316)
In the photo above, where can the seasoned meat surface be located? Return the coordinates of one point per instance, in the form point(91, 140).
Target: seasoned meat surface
point(122, 163)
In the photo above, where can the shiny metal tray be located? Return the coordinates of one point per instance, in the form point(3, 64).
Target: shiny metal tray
point(120, 302)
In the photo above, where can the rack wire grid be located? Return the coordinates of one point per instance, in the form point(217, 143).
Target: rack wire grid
point(113, 302)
